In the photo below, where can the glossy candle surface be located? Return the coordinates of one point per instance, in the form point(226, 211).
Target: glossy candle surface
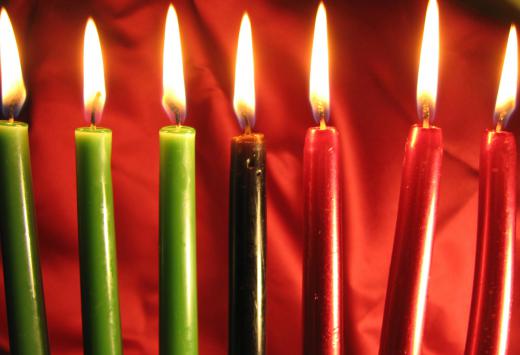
point(408, 279)
point(177, 242)
point(247, 236)
point(323, 270)
point(22, 275)
point(97, 244)
point(492, 287)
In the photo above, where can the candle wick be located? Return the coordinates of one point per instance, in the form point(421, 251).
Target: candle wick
point(323, 124)
point(247, 129)
point(322, 114)
point(93, 119)
point(247, 120)
point(11, 115)
point(500, 122)
point(426, 115)
point(178, 118)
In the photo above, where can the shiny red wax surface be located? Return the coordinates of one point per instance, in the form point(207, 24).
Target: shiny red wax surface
point(492, 288)
point(322, 280)
point(411, 257)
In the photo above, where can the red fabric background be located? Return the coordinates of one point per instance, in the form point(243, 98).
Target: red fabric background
point(374, 50)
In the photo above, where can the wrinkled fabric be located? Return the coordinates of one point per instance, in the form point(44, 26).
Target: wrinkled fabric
point(374, 52)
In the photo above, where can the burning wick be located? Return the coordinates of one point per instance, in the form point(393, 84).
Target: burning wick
point(322, 114)
point(93, 113)
point(426, 115)
point(500, 121)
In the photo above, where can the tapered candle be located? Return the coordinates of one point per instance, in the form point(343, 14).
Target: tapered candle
point(247, 223)
point(488, 329)
point(97, 244)
point(408, 280)
point(22, 275)
point(323, 267)
point(177, 240)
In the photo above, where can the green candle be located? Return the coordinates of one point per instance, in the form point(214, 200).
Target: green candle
point(97, 245)
point(178, 259)
point(22, 275)
point(23, 285)
point(178, 333)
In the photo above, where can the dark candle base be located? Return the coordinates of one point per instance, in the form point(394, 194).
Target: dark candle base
point(247, 242)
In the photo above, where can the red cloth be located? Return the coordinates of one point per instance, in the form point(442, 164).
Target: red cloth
point(374, 50)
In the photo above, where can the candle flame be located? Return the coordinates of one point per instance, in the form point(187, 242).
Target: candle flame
point(244, 98)
point(13, 88)
point(174, 95)
point(429, 65)
point(319, 95)
point(94, 93)
point(506, 98)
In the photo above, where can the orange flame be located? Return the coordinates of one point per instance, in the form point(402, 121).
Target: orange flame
point(319, 95)
point(13, 88)
point(94, 93)
point(174, 95)
point(506, 98)
point(429, 64)
point(244, 97)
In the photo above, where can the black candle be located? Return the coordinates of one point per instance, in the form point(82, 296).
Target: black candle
point(247, 237)
point(247, 245)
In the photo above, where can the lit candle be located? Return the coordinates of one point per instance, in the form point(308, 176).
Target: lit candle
point(488, 329)
point(247, 224)
point(408, 280)
point(97, 244)
point(22, 275)
point(178, 332)
point(323, 270)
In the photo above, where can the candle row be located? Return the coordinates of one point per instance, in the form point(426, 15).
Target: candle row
point(322, 276)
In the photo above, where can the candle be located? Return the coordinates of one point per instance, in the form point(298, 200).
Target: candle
point(247, 224)
point(97, 248)
point(178, 332)
point(488, 329)
point(22, 275)
point(408, 280)
point(323, 270)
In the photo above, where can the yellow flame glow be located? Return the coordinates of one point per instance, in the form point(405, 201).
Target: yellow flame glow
point(506, 98)
point(174, 94)
point(13, 88)
point(429, 63)
point(319, 95)
point(94, 93)
point(244, 98)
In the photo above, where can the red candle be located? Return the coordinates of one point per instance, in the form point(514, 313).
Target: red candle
point(410, 266)
point(491, 305)
point(322, 283)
